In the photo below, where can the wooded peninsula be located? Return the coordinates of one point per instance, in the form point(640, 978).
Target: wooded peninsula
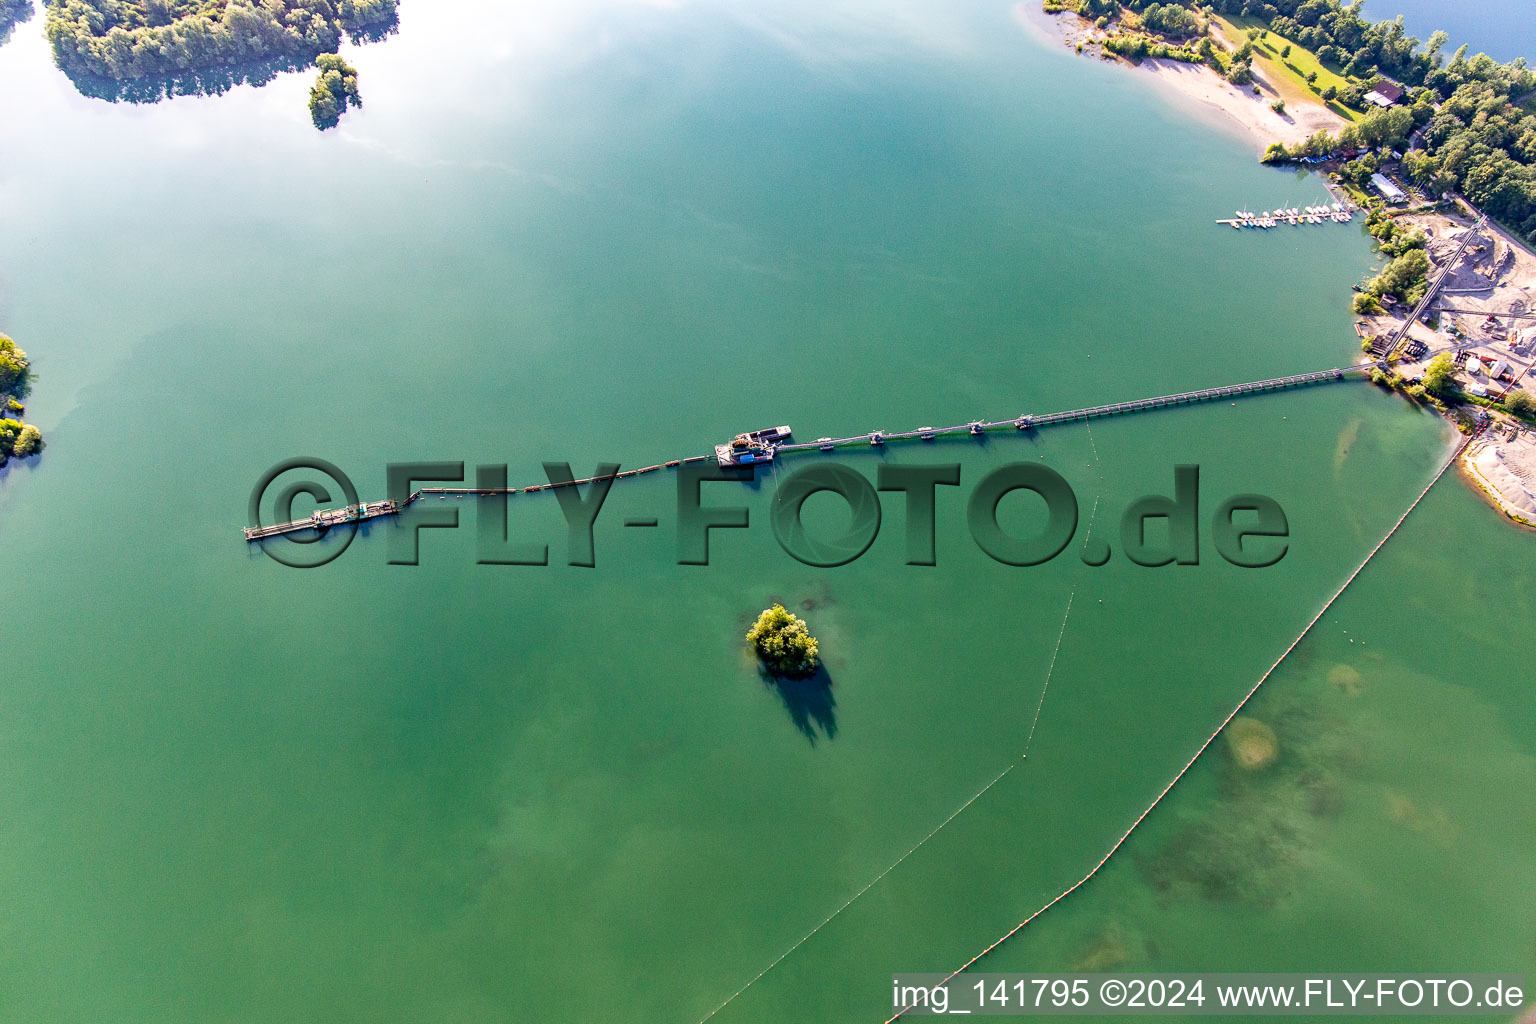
point(13, 13)
point(1466, 125)
point(131, 45)
point(125, 39)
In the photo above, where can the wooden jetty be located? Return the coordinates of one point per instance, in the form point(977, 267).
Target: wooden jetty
point(766, 446)
point(1029, 421)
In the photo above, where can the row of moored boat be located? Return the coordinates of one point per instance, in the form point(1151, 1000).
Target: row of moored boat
point(1293, 215)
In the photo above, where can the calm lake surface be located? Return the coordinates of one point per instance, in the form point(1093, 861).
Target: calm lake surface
point(231, 791)
point(1503, 29)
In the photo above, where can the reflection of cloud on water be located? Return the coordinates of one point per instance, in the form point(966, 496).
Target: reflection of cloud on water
point(552, 181)
point(825, 39)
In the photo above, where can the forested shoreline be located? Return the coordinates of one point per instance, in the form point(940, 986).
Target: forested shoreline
point(1475, 118)
point(13, 13)
point(128, 39)
point(1466, 125)
point(143, 51)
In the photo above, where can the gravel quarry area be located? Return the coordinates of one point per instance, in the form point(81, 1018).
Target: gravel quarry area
point(1502, 464)
point(1492, 290)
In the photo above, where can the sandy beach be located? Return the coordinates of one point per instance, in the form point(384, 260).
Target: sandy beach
point(1492, 469)
point(1195, 87)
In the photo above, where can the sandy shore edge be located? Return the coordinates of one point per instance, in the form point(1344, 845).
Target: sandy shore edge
point(1194, 87)
point(1473, 477)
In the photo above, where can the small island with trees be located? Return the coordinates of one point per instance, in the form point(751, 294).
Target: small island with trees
point(784, 643)
point(335, 87)
point(17, 439)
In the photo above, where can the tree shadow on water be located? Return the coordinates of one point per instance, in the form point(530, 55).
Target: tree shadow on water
point(808, 700)
point(214, 81)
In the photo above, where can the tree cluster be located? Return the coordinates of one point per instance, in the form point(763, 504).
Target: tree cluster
point(1147, 29)
point(13, 13)
point(1440, 377)
point(15, 368)
point(1135, 45)
point(1375, 128)
point(1483, 146)
point(335, 87)
point(784, 642)
point(1406, 275)
point(17, 439)
point(1172, 20)
point(1343, 39)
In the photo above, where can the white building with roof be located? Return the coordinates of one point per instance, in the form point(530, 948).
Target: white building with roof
point(1390, 192)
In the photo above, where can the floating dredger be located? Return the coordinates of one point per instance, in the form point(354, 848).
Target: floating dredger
point(751, 448)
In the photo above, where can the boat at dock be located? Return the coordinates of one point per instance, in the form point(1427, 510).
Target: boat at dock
point(1338, 213)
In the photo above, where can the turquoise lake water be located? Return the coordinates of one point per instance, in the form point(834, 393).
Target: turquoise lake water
point(623, 232)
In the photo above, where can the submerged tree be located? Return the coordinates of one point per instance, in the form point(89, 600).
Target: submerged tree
point(334, 88)
point(1251, 743)
point(784, 643)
